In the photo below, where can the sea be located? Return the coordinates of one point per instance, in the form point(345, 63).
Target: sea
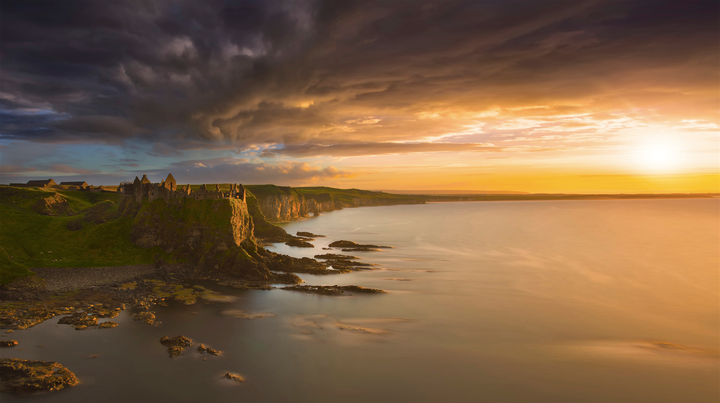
point(601, 301)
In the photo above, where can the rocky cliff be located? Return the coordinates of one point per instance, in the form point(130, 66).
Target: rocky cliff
point(279, 203)
point(214, 236)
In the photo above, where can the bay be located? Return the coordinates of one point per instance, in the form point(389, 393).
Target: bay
point(542, 301)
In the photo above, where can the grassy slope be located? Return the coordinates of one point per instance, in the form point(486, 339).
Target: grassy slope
point(32, 240)
point(321, 193)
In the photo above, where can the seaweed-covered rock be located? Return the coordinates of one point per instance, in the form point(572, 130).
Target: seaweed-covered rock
point(107, 325)
point(79, 319)
point(8, 343)
point(27, 376)
point(176, 345)
point(146, 316)
point(205, 349)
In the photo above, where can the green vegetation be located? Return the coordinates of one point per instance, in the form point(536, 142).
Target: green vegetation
point(348, 196)
point(30, 239)
point(263, 191)
point(10, 269)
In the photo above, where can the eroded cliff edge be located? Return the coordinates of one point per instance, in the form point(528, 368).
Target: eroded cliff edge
point(282, 203)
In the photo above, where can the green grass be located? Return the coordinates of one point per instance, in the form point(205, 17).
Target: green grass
point(9, 269)
point(34, 240)
point(31, 240)
point(321, 194)
point(263, 191)
point(80, 201)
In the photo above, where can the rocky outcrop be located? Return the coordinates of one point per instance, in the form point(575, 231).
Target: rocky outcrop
point(215, 236)
point(176, 345)
point(27, 376)
point(186, 225)
point(55, 205)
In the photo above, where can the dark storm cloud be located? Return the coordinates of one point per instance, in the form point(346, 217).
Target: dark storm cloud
point(332, 75)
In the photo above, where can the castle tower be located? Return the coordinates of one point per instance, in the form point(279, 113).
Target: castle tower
point(170, 182)
point(137, 189)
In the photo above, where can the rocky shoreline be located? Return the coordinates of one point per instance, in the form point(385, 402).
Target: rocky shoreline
point(86, 298)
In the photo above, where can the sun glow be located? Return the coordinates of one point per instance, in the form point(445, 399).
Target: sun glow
point(659, 158)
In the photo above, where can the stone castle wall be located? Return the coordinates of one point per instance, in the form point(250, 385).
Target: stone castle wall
point(168, 189)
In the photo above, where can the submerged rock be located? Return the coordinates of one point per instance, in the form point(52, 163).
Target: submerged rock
point(244, 315)
point(8, 343)
point(107, 325)
point(27, 376)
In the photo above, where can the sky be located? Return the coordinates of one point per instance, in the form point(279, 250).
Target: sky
point(598, 96)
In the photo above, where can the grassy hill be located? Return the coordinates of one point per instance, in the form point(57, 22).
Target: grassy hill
point(30, 239)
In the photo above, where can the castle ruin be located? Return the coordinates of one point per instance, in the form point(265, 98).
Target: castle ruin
point(168, 189)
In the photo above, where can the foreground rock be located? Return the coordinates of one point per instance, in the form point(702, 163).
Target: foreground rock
point(334, 289)
point(27, 376)
point(148, 317)
point(176, 345)
point(284, 263)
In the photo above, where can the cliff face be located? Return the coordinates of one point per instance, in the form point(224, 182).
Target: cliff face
point(214, 236)
point(188, 225)
point(287, 204)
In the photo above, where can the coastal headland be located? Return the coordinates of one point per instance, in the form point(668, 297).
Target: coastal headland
point(85, 254)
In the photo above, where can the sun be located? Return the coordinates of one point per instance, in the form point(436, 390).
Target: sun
point(657, 158)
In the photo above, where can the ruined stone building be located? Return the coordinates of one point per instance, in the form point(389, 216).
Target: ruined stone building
point(76, 185)
point(47, 183)
point(168, 189)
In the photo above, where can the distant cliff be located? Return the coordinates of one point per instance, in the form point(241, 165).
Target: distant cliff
point(279, 203)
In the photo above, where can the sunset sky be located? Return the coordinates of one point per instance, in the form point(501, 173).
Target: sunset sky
point(538, 96)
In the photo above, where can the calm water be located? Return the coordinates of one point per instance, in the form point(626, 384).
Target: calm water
point(559, 301)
